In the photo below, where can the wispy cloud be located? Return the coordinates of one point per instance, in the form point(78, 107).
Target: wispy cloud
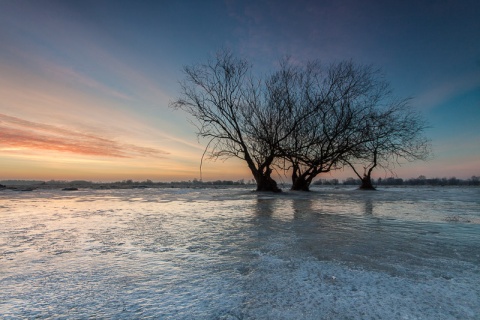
point(70, 74)
point(16, 133)
point(447, 90)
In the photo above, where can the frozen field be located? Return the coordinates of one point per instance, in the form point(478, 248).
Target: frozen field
point(398, 253)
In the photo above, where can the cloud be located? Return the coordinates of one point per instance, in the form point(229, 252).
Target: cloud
point(64, 73)
point(16, 133)
point(447, 90)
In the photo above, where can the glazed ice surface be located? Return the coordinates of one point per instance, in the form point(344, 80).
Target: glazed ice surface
point(404, 253)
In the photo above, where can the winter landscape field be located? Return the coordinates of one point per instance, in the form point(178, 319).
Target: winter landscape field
point(332, 253)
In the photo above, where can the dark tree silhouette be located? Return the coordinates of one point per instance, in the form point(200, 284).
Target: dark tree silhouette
point(295, 89)
point(235, 113)
point(391, 134)
point(333, 103)
point(304, 119)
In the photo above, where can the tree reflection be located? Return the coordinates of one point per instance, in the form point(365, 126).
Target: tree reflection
point(368, 207)
point(264, 207)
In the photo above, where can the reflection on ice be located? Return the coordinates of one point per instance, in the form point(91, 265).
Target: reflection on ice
point(234, 254)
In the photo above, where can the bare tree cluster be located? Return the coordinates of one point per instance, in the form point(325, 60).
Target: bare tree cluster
point(304, 120)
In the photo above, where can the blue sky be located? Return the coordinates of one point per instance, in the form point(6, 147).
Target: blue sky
point(86, 85)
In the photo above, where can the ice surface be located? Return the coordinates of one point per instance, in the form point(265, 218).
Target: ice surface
point(399, 253)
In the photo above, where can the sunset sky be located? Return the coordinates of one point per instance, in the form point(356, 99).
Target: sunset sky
point(85, 85)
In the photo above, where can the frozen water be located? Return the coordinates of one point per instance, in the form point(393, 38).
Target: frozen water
point(398, 253)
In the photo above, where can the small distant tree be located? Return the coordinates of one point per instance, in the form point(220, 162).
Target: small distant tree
point(350, 181)
point(474, 180)
point(391, 134)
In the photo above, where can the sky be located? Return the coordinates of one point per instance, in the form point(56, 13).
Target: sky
point(85, 86)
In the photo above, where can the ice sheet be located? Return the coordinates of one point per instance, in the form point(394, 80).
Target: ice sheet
point(404, 253)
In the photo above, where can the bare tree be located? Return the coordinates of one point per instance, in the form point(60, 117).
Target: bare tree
point(305, 119)
point(391, 134)
point(232, 110)
point(292, 89)
point(333, 104)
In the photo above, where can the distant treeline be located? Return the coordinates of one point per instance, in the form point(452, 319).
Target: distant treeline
point(124, 184)
point(393, 181)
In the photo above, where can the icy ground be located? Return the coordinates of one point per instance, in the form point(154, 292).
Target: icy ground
point(398, 253)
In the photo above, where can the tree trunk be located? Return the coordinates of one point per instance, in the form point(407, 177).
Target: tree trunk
point(367, 183)
point(301, 182)
point(263, 178)
point(266, 183)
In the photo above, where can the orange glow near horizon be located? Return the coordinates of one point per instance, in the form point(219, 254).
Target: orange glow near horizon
point(48, 165)
point(26, 164)
point(34, 150)
point(46, 152)
point(18, 134)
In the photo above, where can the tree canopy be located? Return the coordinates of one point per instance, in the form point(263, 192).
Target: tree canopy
point(303, 120)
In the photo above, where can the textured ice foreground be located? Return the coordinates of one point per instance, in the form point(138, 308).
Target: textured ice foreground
point(399, 253)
